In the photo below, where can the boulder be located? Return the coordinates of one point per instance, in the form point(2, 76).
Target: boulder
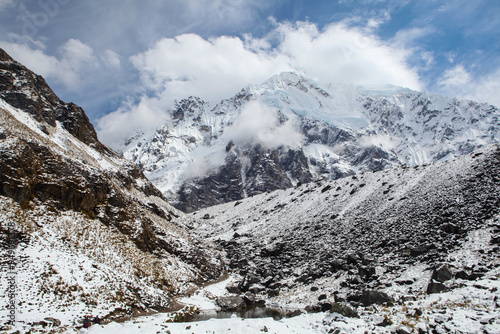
point(366, 272)
point(294, 313)
point(247, 281)
point(325, 306)
point(436, 287)
point(233, 288)
point(55, 322)
point(370, 297)
point(256, 288)
point(419, 250)
point(267, 281)
point(367, 259)
point(231, 303)
point(345, 310)
point(337, 264)
point(273, 293)
point(352, 258)
point(462, 274)
point(312, 308)
point(249, 298)
point(442, 274)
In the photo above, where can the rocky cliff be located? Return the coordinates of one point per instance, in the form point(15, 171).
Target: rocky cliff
point(90, 232)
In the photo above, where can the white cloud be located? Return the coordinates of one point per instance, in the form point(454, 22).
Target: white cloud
point(407, 37)
point(217, 68)
point(224, 12)
point(379, 140)
point(34, 59)
point(340, 55)
point(428, 59)
point(211, 69)
point(258, 123)
point(146, 115)
point(6, 4)
point(111, 58)
point(458, 82)
point(486, 88)
point(75, 56)
point(455, 78)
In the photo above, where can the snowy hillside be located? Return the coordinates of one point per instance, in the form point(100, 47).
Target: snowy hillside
point(289, 130)
point(82, 229)
point(423, 241)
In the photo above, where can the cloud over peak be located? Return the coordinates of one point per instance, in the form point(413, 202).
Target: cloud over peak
point(217, 68)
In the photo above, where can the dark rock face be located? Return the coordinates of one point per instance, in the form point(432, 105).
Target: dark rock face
point(33, 171)
point(224, 186)
point(42, 103)
point(267, 171)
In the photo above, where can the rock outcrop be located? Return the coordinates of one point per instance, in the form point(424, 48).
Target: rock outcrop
point(65, 194)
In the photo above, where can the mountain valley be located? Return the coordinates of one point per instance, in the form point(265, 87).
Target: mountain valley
point(347, 209)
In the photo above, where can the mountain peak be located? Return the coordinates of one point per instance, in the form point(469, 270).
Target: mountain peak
point(23, 89)
point(4, 56)
point(340, 130)
point(287, 76)
point(284, 80)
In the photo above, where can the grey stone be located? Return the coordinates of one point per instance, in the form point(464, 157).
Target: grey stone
point(231, 303)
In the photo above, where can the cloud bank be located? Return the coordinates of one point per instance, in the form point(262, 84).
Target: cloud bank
point(260, 124)
point(217, 68)
point(75, 60)
point(458, 82)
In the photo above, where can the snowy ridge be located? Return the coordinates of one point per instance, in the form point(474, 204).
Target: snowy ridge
point(339, 130)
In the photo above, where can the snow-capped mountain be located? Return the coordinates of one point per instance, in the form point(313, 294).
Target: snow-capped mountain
point(289, 129)
point(82, 229)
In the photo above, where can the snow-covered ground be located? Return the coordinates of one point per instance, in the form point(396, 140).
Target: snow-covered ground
point(471, 307)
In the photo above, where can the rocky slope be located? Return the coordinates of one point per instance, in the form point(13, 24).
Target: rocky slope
point(397, 236)
point(289, 130)
point(82, 229)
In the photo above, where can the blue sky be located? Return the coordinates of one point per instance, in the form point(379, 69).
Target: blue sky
point(126, 61)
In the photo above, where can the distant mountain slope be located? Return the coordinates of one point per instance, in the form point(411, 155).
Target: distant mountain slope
point(289, 130)
point(91, 233)
point(383, 230)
